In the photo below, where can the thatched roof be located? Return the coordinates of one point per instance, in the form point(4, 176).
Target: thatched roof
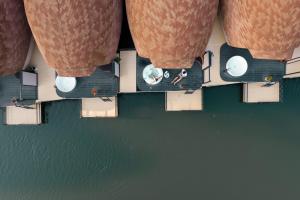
point(75, 37)
point(171, 33)
point(269, 29)
point(15, 36)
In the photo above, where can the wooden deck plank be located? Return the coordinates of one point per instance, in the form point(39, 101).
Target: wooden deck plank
point(128, 71)
point(97, 108)
point(179, 101)
point(256, 93)
point(46, 78)
point(22, 116)
point(216, 40)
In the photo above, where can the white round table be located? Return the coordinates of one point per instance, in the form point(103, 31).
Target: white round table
point(65, 84)
point(237, 66)
point(152, 75)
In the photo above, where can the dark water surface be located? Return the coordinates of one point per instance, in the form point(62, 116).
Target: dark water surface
point(229, 151)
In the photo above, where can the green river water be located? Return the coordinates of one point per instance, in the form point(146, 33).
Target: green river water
point(230, 151)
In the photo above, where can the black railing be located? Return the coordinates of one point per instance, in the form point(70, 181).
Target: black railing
point(291, 61)
point(246, 95)
point(208, 68)
point(292, 73)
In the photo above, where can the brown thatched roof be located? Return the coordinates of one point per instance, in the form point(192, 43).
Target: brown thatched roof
point(15, 36)
point(269, 29)
point(171, 33)
point(75, 36)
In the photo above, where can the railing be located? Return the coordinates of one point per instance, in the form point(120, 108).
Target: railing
point(292, 73)
point(245, 93)
point(207, 68)
point(291, 61)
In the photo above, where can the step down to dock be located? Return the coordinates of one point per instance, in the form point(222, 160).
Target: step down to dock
point(128, 71)
point(259, 93)
point(182, 101)
point(97, 108)
point(23, 116)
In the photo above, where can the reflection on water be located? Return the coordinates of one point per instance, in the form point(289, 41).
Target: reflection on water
point(229, 151)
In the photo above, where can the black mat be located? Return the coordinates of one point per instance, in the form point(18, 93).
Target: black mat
point(193, 81)
point(258, 69)
point(104, 82)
